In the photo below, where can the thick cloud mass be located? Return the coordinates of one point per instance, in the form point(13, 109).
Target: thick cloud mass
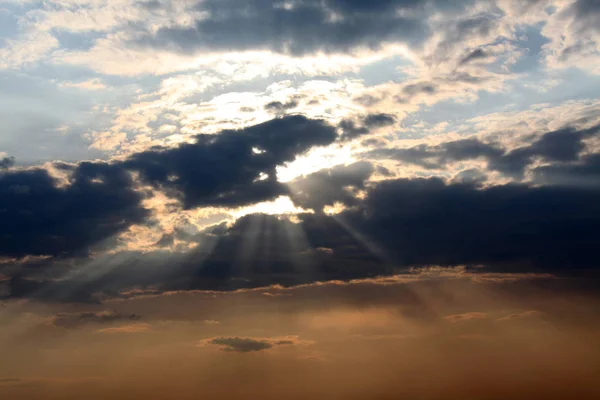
point(585, 172)
point(39, 217)
point(233, 168)
point(400, 223)
point(298, 27)
point(425, 221)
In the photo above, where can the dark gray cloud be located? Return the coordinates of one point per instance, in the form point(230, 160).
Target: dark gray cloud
point(258, 250)
point(300, 27)
point(560, 146)
point(477, 54)
point(585, 173)
point(429, 222)
point(233, 168)
point(352, 129)
point(379, 120)
point(44, 217)
point(242, 345)
point(41, 217)
point(6, 162)
point(77, 320)
point(279, 107)
point(400, 223)
point(329, 186)
point(247, 345)
point(586, 13)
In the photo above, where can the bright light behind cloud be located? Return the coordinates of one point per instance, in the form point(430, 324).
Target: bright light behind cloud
point(315, 160)
point(280, 206)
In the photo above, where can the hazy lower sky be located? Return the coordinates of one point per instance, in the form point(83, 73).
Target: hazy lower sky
point(336, 199)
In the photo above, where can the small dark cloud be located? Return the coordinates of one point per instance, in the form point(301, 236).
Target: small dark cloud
point(7, 162)
point(352, 129)
point(379, 120)
point(279, 107)
point(421, 87)
point(248, 345)
point(77, 320)
point(477, 54)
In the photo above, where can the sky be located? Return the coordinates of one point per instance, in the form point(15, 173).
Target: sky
point(337, 199)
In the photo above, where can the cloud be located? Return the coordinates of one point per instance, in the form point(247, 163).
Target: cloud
point(340, 184)
point(303, 27)
point(77, 320)
point(477, 54)
point(43, 217)
point(584, 173)
point(465, 317)
point(395, 223)
point(369, 123)
point(248, 345)
point(279, 107)
point(559, 148)
point(430, 222)
point(520, 315)
point(575, 37)
point(62, 218)
point(228, 169)
point(98, 200)
point(133, 328)
point(91, 84)
point(300, 37)
point(29, 48)
point(6, 162)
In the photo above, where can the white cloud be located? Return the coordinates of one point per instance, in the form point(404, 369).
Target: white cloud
point(28, 48)
point(91, 84)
